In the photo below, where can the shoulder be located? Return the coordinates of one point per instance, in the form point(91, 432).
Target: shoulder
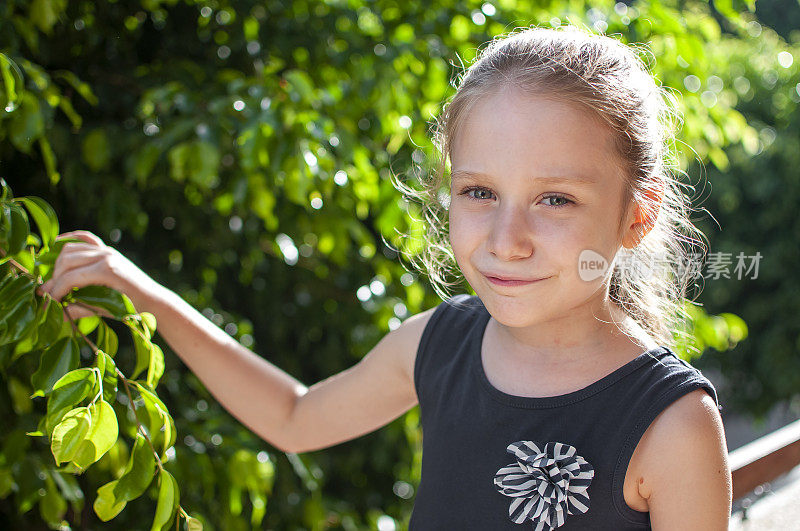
point(666, 377)
point(408, 337)
point(411, 332)
point(683, 467)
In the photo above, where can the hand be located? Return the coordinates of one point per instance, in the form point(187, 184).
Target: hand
point(91, 262)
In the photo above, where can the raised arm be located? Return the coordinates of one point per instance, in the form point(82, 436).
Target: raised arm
point(273, 404)
point(277, 407)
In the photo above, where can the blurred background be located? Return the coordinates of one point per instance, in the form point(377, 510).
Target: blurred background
point(240, 153)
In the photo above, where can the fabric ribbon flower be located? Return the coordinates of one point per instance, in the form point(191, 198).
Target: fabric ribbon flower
point(545, 485)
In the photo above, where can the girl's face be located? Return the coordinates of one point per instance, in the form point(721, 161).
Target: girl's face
point(534, 183)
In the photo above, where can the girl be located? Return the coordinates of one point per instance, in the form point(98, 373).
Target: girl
point(551, 398)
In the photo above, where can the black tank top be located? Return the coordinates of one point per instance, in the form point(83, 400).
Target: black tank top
point(495, 461)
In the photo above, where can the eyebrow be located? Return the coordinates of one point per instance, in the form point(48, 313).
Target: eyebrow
point(460, 174)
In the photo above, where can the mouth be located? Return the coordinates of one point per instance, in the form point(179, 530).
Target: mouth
point(508, 281)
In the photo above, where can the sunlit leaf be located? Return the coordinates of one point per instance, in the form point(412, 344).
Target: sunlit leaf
point(168, 500)
point(102, 436)
point(67, 392)
point(116, 303)
point(158, 422)
point(106, 505)
point(156, 366)
point(70, 433)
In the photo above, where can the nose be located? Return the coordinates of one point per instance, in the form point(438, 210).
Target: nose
point(510, 235)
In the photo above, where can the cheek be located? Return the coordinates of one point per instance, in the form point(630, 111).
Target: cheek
point(461, 226)
point(459, 236)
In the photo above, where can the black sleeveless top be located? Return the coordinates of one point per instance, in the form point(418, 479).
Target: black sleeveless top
point(494, 461)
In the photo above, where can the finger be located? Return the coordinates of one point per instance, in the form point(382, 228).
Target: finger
point(67, 262)
point(77, 277)
point(84, 235)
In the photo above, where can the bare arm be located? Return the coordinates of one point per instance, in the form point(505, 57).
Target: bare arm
point(361, 399)
point(687, 480)
point(270, 402)
point(251, 388)
point(280, 409)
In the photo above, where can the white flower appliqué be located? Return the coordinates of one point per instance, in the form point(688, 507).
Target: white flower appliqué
point(545, 485)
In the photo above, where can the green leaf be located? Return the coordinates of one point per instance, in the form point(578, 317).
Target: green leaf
point(96, 151)
point(142, 346)
point(141, 163)
point(168, 500)
point(51, 323)
point(49, 158)
point(737, 328)
point(149, 323)
point(52, 506)
point(31, 341)
point(6, 482)
point(109, 372)
point(107, 339)
point(156, 366)
point(18, 309)
point(60, 358)
point(70, 433)
point(159, 422)
point(106, 505)
point(26, 123)
point(44, 216)
point(67, 393)
point(18, 228)
point(66, 107)
point(102, 436)
point(116, 303)
point(88, 324)
point(193, 524)
point(195, 161)
point(460, 28)
point(13, 84)
point(45, 13)
point(70, 489)
point(82, 88)
point(138, 473)
point(20, 396)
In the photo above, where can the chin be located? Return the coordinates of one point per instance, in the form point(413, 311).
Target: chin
point(508, 310)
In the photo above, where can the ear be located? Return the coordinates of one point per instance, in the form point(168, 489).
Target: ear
point(643, 218)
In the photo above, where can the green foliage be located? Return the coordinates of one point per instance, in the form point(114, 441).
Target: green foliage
point(79, 433)
point(242, 151)
point(754, 203)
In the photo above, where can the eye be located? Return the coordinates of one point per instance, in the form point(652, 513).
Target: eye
point(558, 197)
point(482, 193)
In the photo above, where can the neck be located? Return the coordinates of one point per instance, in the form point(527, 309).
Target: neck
point(576, 336)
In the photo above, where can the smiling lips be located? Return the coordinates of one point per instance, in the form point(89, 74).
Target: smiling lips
point(510, 281)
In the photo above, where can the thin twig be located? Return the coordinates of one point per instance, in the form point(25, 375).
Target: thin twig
point(136, 416)
point(125, 381)
point(122, 377)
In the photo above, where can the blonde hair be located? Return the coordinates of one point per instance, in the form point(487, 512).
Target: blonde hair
point(607, 78)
